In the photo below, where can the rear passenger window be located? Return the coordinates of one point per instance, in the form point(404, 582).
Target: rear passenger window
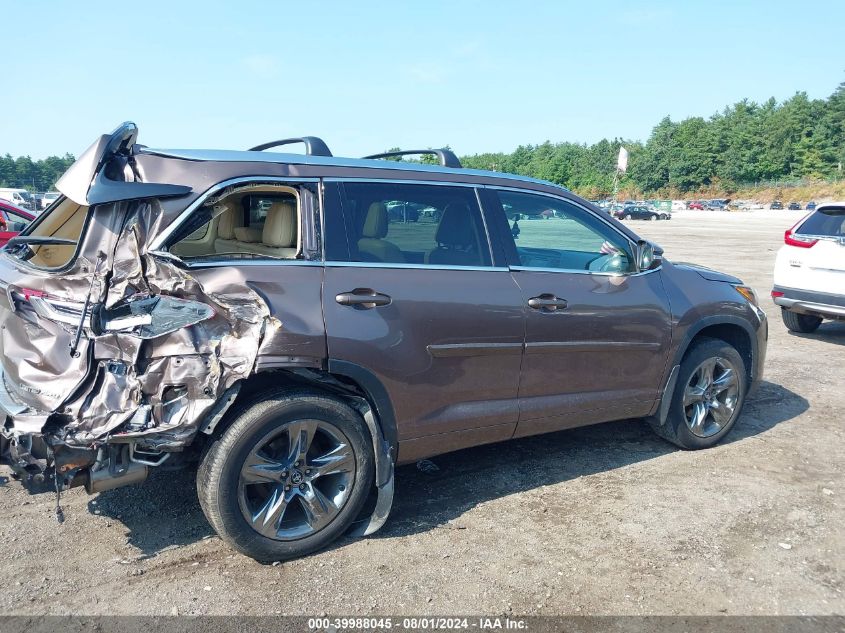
point(414, 224)
point(246, 223)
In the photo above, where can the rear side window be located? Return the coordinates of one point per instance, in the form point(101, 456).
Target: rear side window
point(829, 222)
point(246, 223)
point(435, 225)
point(64, 221)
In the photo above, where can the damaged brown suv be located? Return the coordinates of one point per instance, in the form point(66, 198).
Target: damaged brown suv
point(296, 325)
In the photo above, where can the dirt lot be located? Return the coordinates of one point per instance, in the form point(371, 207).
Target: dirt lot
point(602, 520)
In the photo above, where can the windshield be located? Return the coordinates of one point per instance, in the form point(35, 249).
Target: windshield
point(829, 222)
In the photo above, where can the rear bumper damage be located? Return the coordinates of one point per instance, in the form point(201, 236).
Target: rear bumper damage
point(160, 354)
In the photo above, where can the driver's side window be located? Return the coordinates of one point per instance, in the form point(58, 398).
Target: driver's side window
point(555, 234)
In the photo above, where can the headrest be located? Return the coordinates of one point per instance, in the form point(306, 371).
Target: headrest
point(227, 222)
point(375, 224)
point(455, 228)
point(280, 225)
point(247, 234)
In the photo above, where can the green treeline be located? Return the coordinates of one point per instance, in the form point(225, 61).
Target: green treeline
point(35, 175)
point(744, 144)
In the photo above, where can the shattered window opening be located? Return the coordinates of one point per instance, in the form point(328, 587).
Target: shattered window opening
point(248, 222)
point(65, 221)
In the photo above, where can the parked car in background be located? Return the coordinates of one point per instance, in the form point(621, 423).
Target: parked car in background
point(809, 280)
point(777, 205)
point(811, 206)
point(404, 212)
point(18, 197)
point(717, 204)
point(260, 314)
point(641, 212)
point(695, 205)
point(794, 206)
point(679, 205)
point(49, 198)
point(13, 220)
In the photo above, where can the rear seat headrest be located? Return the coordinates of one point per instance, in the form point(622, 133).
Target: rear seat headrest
point(280, 228)
point(227, 222)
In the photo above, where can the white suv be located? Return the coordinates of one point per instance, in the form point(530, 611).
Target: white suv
point(810, 270)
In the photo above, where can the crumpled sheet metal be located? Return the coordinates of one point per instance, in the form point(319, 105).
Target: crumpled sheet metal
point(206, 358)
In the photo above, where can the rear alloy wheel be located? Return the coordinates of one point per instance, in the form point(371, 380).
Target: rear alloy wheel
point(801, 323)
point(653, 218)
point(708, 396)
point(288, 476)
point(628, 216)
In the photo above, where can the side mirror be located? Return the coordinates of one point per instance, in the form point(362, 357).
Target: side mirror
point(649, 256)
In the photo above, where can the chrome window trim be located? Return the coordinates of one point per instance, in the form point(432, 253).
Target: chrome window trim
point(575, 271)
point(236, 263)
point(401, 181)
point(337, 264)
point(631, 243)
point(321, 218)
point(162, 237)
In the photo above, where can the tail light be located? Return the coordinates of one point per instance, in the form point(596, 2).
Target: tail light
point(801, 241)
point(776, 294)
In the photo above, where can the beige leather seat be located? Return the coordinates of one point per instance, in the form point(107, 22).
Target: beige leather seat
point(228, 221)
point(279, 235)
point(372, 247)
point(457, 242)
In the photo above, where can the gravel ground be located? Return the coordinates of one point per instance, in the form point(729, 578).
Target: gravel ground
point(602, 520)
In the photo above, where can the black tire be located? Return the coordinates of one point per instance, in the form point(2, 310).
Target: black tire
point(219, 474)
point(653, 217)
point(802, 323)
point(628, 216)
point(676, 429)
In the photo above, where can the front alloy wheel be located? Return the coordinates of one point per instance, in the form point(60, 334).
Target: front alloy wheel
point(710, 397)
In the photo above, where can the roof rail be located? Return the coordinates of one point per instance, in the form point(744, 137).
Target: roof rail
point(447, 157)
point(313, 146)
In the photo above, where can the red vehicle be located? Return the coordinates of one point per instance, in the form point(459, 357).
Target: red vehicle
point(695, 205)
point(12, 221)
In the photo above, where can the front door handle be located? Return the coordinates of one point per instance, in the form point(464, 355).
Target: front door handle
point(365, 298)
point(547, 303)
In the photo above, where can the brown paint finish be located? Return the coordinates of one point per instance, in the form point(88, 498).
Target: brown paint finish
point(474, 312)
point(607, 349)
point(293, 295)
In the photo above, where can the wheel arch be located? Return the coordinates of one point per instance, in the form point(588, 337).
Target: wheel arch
point(343, 379)
point(360, 388)
point(735, 331)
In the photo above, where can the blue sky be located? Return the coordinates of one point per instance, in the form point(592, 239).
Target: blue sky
point(365, 76)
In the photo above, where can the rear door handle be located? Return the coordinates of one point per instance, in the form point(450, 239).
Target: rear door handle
point(547, 302)
point(365, 298)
